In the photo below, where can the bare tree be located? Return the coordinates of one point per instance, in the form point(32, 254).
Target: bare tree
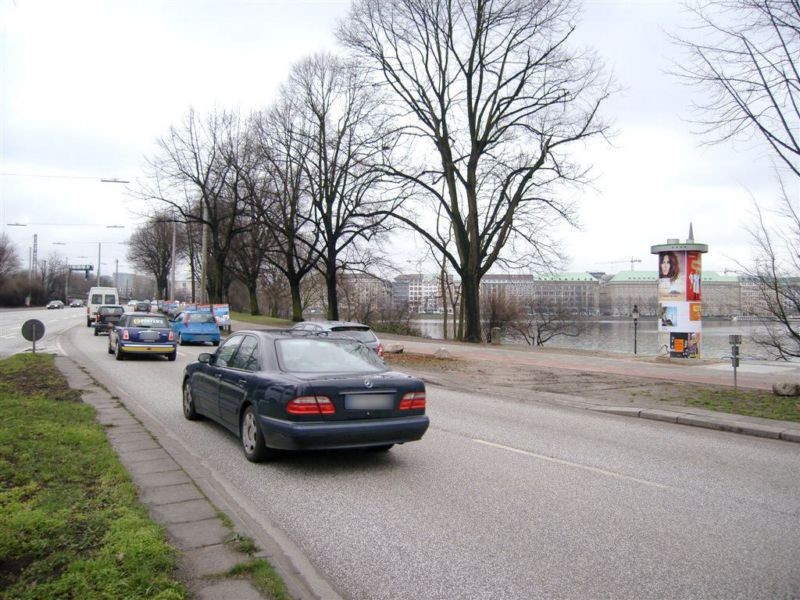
point(347, 137)
point(199, 174)
point(537, 323)
point(286, 211)
point(746, 55)
point(776, 272)
point(492, 96)
point(150, 249)
point(9, 259)
point(248, 254)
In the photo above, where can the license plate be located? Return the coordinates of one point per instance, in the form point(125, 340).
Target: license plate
point(149, 336)
point(368, 401)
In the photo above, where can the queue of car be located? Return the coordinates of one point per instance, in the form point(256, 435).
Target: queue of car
point(317, 386)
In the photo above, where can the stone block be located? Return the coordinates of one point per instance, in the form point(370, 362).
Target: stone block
point(786, 389)
point(442, 354)
point(392, 348)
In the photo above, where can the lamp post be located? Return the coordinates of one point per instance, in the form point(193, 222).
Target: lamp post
point(635, 315)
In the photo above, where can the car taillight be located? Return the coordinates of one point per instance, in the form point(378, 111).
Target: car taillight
point(171, 336)
point(125, 334)
point(379, 350)
point(413, 400)
point(310, 405)
point(186, 321)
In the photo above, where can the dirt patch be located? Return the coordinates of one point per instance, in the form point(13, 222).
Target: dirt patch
point(520, 382)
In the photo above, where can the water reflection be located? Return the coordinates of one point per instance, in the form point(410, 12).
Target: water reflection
point(617, 336)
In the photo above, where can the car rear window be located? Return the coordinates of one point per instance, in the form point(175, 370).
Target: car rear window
point(110, 310)
point(110, 299)
point(362, 334)
point(147, 322)
point(201, 318)
point(319, 355)
point(97, 299)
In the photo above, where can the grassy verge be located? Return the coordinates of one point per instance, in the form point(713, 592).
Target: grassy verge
point(747, 402)
point(260, 319)
point(70, 523)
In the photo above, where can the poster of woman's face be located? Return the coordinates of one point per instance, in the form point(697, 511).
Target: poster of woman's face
point(671, 275)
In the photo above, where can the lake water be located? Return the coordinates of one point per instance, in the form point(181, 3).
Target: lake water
point(617, 336)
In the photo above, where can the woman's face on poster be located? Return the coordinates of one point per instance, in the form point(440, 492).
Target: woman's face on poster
point(664, 264)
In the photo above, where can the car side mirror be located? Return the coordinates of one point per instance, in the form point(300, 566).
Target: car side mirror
point(206, 358)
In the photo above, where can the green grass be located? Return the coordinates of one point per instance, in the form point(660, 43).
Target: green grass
point(70, 523)
point(260, 319)
point(747, 402)
point(263, 577)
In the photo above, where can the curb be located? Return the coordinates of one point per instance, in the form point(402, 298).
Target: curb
point(782, 430)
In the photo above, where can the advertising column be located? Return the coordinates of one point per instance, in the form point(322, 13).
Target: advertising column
point(680, 296)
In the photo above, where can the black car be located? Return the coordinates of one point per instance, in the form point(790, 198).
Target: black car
point(106, 317)
point(281, 391)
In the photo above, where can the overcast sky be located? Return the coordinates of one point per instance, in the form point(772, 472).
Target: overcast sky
point(86, 88)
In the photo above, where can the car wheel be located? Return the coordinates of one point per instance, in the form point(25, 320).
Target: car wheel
point(110, 349)
point(188, 403)
point(172, 356)
point(180, 339)
point(215, 342)
point(95, 331)
point(119, 354)
point(255, 450)
point(88, 322)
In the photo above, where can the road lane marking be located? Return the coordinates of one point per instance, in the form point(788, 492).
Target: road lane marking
point(572, 464)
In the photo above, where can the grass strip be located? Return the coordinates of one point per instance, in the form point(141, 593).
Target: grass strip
point(750, 403)
point(70, 522)
point(263, 577)
point(260, 319)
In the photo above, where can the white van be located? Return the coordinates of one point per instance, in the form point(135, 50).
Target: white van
point(97, 297)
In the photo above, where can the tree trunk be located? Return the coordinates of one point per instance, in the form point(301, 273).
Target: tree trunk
point(297, 303)
point(330, 281)
point(472, 308)
point(253, 291)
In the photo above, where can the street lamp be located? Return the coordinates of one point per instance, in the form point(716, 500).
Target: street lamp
point(635, 315)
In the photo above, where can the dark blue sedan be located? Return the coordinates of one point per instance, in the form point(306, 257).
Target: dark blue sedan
point(280, 391)
point(142, 333)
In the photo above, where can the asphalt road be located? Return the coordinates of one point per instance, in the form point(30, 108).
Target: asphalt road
point(503, 499)
point(56, 322)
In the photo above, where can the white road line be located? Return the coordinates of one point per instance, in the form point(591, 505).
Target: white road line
point(572, 464)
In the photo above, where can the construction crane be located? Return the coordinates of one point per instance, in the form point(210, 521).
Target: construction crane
point(631, 260)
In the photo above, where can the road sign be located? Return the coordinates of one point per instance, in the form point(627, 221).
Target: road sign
point(33, 330)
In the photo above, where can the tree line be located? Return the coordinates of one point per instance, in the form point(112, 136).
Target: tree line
point(452, 120)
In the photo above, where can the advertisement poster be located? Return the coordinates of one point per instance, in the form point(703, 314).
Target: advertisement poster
point(680, 316)
point(672, 276)
point(221, 312)
point(667, 316)
point(694, 273)
point(695, 311)
point(684, 345)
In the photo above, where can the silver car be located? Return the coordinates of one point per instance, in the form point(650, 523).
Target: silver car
point(356, 331)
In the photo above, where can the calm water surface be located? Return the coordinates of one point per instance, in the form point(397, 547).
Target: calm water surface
point(617, 336)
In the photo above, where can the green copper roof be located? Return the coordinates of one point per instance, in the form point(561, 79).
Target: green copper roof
point(651, 276)
point(575, 276)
